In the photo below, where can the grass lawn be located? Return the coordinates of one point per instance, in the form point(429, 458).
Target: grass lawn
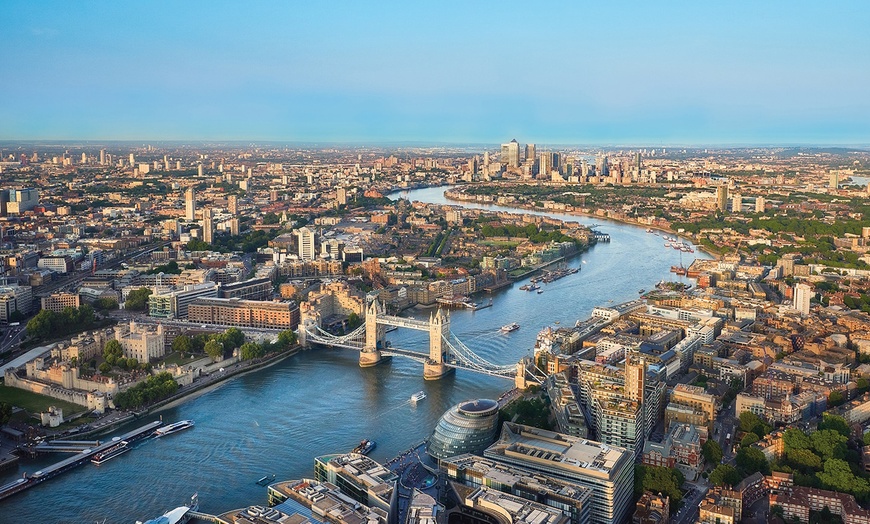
point(175, 358)
point(36, 403)
point(75, 423)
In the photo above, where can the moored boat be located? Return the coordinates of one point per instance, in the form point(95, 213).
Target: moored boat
point(107, 455)
point(365, 447)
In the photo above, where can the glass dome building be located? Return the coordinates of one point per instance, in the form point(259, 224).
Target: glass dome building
point(468, 427)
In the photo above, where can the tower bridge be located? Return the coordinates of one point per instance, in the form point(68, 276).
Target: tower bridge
point(446, 352)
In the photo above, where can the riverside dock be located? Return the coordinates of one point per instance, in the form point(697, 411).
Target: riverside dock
point(28, 481)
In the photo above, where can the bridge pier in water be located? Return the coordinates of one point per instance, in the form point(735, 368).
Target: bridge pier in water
point(446, 352)
point(375, 337)
point(439, 330)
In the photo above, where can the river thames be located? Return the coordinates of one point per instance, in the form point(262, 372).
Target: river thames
point(276, 420)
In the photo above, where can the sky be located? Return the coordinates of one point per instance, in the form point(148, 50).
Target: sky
point(607, 73)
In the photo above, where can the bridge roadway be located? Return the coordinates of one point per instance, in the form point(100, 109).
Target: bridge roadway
point(74, 461)
point(410, 323)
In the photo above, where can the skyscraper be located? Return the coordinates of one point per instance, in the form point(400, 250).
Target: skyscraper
point(207, 226)
point(802, 294)
point(722, 197)
point(530, 152)
point(834, 179)
point(102, 157)
point(233, 205)
point(132, 159)
point(306, 243)
point(190, 204)
point(545, 166)
point(510, 153)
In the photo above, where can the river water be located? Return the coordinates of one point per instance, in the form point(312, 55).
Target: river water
point(276, 420)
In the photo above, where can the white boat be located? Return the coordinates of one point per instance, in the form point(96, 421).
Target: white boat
point(418, 396)
point(107, 455)
point(173, 428)
point(177, 515)
point(510, 327)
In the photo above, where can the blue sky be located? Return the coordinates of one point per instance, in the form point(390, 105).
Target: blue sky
point(589, 73)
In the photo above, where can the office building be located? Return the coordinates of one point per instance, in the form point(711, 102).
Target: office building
point(251, 289)
point(175, 303)
point(545, 166)
point(802, 294)
point(56, 302)
point(467, 427)
point(510, 153)
point(190, 204)
point(323, 498)
point(608, 471)
point(699, 406)
point(473, 471)
point(530, 152)
point(484, 504)
point(21, 201)
point(244, 313)
point(15, 298)
point(306, 243)
point(361, 479)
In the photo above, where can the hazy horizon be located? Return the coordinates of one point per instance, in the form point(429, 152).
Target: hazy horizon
point(680, 74)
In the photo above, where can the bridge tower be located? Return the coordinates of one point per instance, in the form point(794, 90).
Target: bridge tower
point(439, 329)
point(371, 352)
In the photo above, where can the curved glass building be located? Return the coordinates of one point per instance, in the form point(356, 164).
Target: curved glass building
point(468, 427)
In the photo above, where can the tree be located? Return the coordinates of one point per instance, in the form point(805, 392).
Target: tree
point(112, 352)
point(353, 321)
point(749, 439)
point(659, 480)
point(105, 304)
point(750, 460)
point(182, 344)
point(232, 338)
point(804, 459)
point(250, 350)
point(724, 475)
point(828, 444)
point(5, 413)
point(712, 451)
point(839, 477)
point(752, 423)
point(835, 399)
point(286, 339)
point(836, 423)
point(214, 349)
point(796, 439)
point(137, 300)
point(105, 367)
point(132, 363)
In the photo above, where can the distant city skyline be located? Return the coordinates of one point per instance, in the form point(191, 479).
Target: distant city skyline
point(653, 75)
